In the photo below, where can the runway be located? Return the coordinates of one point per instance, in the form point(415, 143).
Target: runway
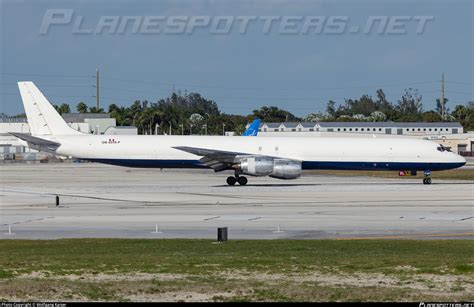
point(106, 201)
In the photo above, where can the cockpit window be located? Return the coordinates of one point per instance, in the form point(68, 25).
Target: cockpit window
point(442, 148)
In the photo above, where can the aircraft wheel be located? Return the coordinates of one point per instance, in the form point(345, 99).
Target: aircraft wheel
point(231, 180)
point(427, 180)
point(242, 180)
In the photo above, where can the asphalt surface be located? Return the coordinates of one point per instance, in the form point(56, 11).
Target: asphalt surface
point(107, 201)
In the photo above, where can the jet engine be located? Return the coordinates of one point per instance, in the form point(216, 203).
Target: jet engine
point(286, 169)
point(256, 166)
point(276, 168)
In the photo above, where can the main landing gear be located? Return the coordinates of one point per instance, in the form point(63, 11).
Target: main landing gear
point(427, 178)
point(232, 180)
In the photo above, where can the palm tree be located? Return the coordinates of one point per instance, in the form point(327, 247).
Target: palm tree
point(81, 107)
point(113, 107)
point(120, 114)
point(95, 110)
point(64, 108)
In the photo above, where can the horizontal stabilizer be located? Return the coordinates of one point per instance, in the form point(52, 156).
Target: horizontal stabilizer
point(37, 143)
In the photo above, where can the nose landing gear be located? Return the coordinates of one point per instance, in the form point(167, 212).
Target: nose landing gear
point(427, 179)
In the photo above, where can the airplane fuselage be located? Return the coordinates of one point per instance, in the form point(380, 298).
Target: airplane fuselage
point(314, 152)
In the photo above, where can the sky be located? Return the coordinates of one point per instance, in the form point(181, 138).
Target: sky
point(282, 65)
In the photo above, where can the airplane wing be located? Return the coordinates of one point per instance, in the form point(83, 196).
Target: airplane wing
point(37, 143)
point(219, 160)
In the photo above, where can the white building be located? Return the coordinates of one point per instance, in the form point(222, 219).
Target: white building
point(95, 123)
point(121, 130)
point(403, 128)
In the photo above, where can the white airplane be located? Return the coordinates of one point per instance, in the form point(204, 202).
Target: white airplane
point(277, 157)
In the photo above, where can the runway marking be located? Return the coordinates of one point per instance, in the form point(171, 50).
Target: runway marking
point(83, 196)
point(327, 202)
point(466, 234)
point(276, 202)
point(29, 221)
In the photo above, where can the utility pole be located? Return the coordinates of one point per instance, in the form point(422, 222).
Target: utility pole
point(443, 107)
point(97, 88)
point(223, 128)
point(182, 129)
point(170, 128)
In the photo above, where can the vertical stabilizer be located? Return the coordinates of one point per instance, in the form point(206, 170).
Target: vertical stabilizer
point(43, 119)
point(252, 130)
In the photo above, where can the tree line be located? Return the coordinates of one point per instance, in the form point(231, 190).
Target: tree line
point(193, 114)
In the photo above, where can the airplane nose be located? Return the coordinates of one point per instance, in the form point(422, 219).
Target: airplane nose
point(461, 160)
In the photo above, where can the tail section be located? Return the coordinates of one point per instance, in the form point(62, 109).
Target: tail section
point(43, 119)
point(252, 130)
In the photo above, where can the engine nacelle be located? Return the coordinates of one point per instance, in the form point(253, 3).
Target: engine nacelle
point(276, 168)
point(286, 169)
point(256, 166)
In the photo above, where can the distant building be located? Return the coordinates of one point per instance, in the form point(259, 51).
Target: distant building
point(404, 128)
point(121, 130)
point(95, 123)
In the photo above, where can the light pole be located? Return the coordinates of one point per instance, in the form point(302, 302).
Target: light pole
point(223, 128)
point(205, 129)
point(190, 129)
point(170, 128)
point(182, 129)
point(133, 120)
point(151, 124)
